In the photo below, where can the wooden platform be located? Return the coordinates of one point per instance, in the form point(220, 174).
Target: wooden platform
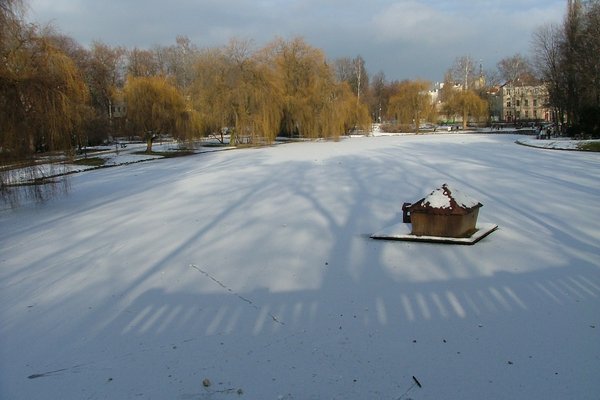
point(402, 231)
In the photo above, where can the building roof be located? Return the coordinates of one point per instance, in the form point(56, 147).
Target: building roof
point(446, 201)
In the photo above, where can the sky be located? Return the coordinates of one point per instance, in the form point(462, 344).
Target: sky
point(406, 39)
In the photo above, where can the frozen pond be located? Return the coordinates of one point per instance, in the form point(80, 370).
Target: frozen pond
point(250, 274)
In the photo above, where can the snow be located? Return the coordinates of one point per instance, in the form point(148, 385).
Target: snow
point(130, 154)
point(437, 199)
point(554, 144)
point(441, 198)
point(254, 269)
point(463, 199)
point(403, 231)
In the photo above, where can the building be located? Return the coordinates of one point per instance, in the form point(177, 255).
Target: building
point(520, 103)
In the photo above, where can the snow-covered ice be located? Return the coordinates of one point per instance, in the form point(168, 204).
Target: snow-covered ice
point(252, 270)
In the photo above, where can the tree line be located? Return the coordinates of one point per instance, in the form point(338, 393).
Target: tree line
point(567, 57)
point(56, 95)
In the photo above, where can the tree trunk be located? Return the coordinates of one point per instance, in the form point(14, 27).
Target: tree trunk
point(149, 140)
point(234, 132)
point(417, 123)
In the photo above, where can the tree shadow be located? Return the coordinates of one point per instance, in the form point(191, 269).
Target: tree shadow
point(232, 258)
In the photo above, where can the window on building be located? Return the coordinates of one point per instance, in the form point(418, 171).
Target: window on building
point(508, 104)
point(518, 103)
point(526, 113)
point(535, 102)
point(526, 102)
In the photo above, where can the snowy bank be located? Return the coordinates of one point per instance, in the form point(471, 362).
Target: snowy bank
point(555, 144)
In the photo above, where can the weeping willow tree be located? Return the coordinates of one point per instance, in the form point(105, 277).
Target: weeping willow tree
point(315, 104)
point(307, 87)
point(412, 104)
point(339, 112)
point(468, 105)
point(209, 92)
point(236, 89)
point(285, 87)
point(42, 97)
point(155, 107)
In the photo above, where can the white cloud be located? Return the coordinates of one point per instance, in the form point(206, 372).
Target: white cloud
point(416, 22)
point(404, 38)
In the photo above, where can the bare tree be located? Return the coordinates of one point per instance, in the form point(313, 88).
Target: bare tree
point(379, 96)
point(567, 58)
point(177, 62)
point(517, 70)
point(492, 78)
point(548, 62)
point(353, 71)
point(143, 63)
point(10, 11)
point(589, 69)
point(461, 94)
point(463, 72)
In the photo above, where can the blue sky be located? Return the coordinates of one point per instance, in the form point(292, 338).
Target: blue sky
point(405, 39)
